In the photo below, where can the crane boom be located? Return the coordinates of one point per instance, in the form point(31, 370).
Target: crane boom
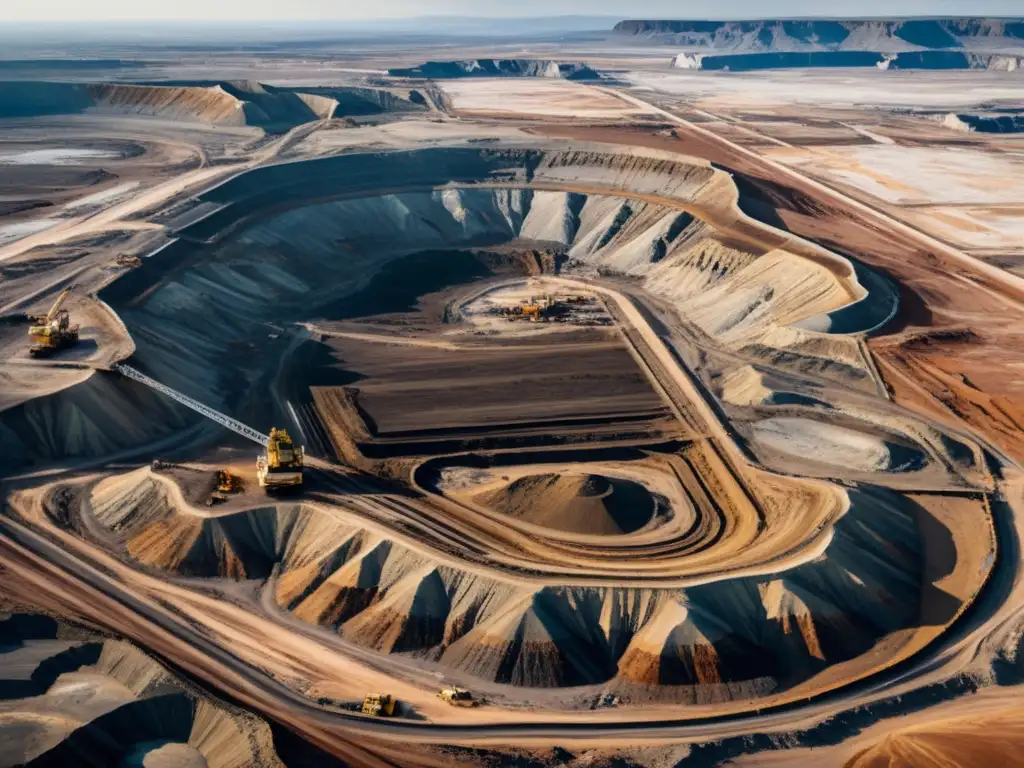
point(195, 405)
point(53, 331)
point(58, 303)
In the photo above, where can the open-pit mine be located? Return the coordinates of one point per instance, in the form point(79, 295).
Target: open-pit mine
point(598, 407)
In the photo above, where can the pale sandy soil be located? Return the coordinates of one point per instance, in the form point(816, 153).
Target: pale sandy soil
point(112, 218)
point(536, 97)
point(983, 729)
point(916, 175)
point(939, 90)
point(109, 680)
point(841, 448)
point(483, 312)
point(973, 226)
point(402, 134)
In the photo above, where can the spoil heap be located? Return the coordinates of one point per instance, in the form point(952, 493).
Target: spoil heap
point(587, 504)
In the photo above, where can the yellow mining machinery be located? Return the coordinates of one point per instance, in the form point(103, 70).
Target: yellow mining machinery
point(53, 331)
point(227, 483)
point(535, 310)
point(457, 697)
point(379, 704)
point(281, 467)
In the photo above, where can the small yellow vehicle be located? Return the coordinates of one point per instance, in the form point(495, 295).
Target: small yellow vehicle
point(379, 705)
point(457, 697)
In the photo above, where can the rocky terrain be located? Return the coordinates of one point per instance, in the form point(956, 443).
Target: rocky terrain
point(673, 414)
point(71, 698)
point(220, 103)
point(861, 34)
point(443, 70)
point(738, 46)
point(929, 59)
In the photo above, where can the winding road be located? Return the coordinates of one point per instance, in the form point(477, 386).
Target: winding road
point(87, 583)
point(75, 578)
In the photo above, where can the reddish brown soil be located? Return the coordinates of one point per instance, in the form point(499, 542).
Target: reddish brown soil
point(945, 352)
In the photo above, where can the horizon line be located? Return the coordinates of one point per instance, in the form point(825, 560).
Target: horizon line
point(478, 17)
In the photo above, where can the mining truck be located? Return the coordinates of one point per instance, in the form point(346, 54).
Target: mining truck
point(53, 331)
point(457, 697)
point(281, 465)
point(379, 704)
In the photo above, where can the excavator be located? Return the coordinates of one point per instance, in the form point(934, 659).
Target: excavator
point(281, 467)
point(53, 331)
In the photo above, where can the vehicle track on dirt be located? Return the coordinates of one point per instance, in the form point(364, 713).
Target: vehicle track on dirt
point(30, 553)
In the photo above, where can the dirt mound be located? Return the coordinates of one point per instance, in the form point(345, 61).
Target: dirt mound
point(575, 503)
point(989, 736)
point(730, 639)
point(411, 616)
point(538, 641)
point(833, 445)
point(103, 702)
point(683, 646)
point(212, 105)
point(102, 415)
point(144, 514)
point(221, 103)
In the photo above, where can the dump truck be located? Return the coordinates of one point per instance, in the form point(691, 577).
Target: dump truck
point(53, 331)
point(379, 705)
point(281, 465)
point(457, 697)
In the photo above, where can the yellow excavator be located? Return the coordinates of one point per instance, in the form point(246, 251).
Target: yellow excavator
point(281, 467)
point(53, 331)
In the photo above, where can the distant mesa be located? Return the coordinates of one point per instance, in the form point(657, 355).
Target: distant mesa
point(68, 63)
point(889, 35)
point(218, 102)
point(449, 70)
point(925, 59)
point(741, 46)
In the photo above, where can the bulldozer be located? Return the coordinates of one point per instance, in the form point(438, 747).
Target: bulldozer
point(532, 312)
point(229, 483)
point(281, 466)
point(379, 704)
point(53, 331)
point(457, 697)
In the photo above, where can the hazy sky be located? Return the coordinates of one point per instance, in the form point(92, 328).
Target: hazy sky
point(256, 10)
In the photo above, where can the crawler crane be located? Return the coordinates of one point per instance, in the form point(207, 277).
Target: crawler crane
point(53, 331)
